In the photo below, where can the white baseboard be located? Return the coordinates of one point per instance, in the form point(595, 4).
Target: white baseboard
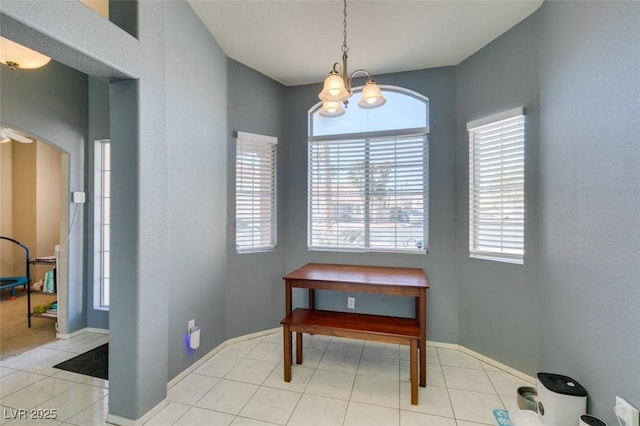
point(498, 365)
point(82, 331)
point(128, 422)
point(193, 367)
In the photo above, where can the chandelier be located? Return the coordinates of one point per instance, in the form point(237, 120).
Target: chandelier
point(337, 86)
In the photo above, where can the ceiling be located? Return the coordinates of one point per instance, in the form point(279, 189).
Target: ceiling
point(297, 41)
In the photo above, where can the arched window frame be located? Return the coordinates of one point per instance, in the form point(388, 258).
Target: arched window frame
point(395, 237)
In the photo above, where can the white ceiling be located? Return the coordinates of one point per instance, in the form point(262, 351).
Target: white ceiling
point(297, 41)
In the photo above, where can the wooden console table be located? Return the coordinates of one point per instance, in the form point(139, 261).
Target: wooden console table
point(362, 279)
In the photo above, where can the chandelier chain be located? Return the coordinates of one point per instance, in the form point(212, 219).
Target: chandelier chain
point(345, 49)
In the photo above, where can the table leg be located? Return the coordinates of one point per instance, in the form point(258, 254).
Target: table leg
point(413, 367)
point(312, 298)
point(287, 297)
point(298, 348)
point(287, 353)
point(422, 316)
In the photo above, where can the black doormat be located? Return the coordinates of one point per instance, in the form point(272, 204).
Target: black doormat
point(94, 363)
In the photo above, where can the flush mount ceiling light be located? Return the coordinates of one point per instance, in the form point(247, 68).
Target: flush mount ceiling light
point(16, 56)
point(8, 135)
point(337, 86)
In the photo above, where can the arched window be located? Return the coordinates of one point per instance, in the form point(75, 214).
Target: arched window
point(368, 176)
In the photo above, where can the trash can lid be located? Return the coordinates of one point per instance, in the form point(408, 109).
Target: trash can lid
point(561, 384)
point(592, 421)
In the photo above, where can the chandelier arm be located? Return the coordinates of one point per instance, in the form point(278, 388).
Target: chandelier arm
point(353, 74)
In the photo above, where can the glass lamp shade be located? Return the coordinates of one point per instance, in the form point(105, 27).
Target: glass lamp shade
point(331, 109)
point(17, 56)
point(333, 90)
point(371, 96)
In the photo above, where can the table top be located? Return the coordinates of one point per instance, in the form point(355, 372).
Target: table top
point(358, 274)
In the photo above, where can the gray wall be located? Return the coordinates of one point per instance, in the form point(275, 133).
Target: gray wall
point(498, 302)
point(439, 86)
point(254, 279)
point(572, 308)
point(590, 197)
point(51, 103)
point(197, 185)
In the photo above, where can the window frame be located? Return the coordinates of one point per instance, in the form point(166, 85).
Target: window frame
point(102, 232)
point(257, 140)
point(422, 131)
point(509, 237)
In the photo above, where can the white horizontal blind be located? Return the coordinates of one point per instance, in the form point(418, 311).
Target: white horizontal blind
point(496, 189)
point(255, 192)
point(368, 194)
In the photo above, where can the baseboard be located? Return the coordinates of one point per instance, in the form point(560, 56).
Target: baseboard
point(498, 365)
point(123, 421)
point(82, 331)
point(128, 422)
point(71, 335)
point(193, 367)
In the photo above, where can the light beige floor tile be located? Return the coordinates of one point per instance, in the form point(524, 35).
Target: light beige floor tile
point(510, 403)
point(310, 358)
point(243, 421)
point(275, 338)
point(352, 346)
point(17, 381)
point(434, 374)
point(431, 400)
point(251, 371)
point(456, 358)
point(388, 368)
point(240, 349)
point(344, 362)
point(218, 365)
point(432, 354)
point(94, 415)
point(5, 371)
point(371, 415)
point(331, 384)
point(467, 379)
point(271, 405)
point(315, 341)
point(169, 415)
point(227, 396)
point(200, 417)
point(37, 393)
point(300, 378)
point(506, 384)
point(381, 350)
point(318, 411)
point(410, 418)
point(74, 400)
point(474, 406)
point(190, 389)
point(266, 352)
point(376, 390)
point(464, 423)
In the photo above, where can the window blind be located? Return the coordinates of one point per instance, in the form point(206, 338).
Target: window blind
point(496, 189)
point(255, 192)
point(368, 194)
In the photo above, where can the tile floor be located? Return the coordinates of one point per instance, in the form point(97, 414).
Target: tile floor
point(341, 382)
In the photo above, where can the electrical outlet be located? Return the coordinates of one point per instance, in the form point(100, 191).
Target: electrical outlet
point(351, 302)
point(190, 325)
point(626, 412)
